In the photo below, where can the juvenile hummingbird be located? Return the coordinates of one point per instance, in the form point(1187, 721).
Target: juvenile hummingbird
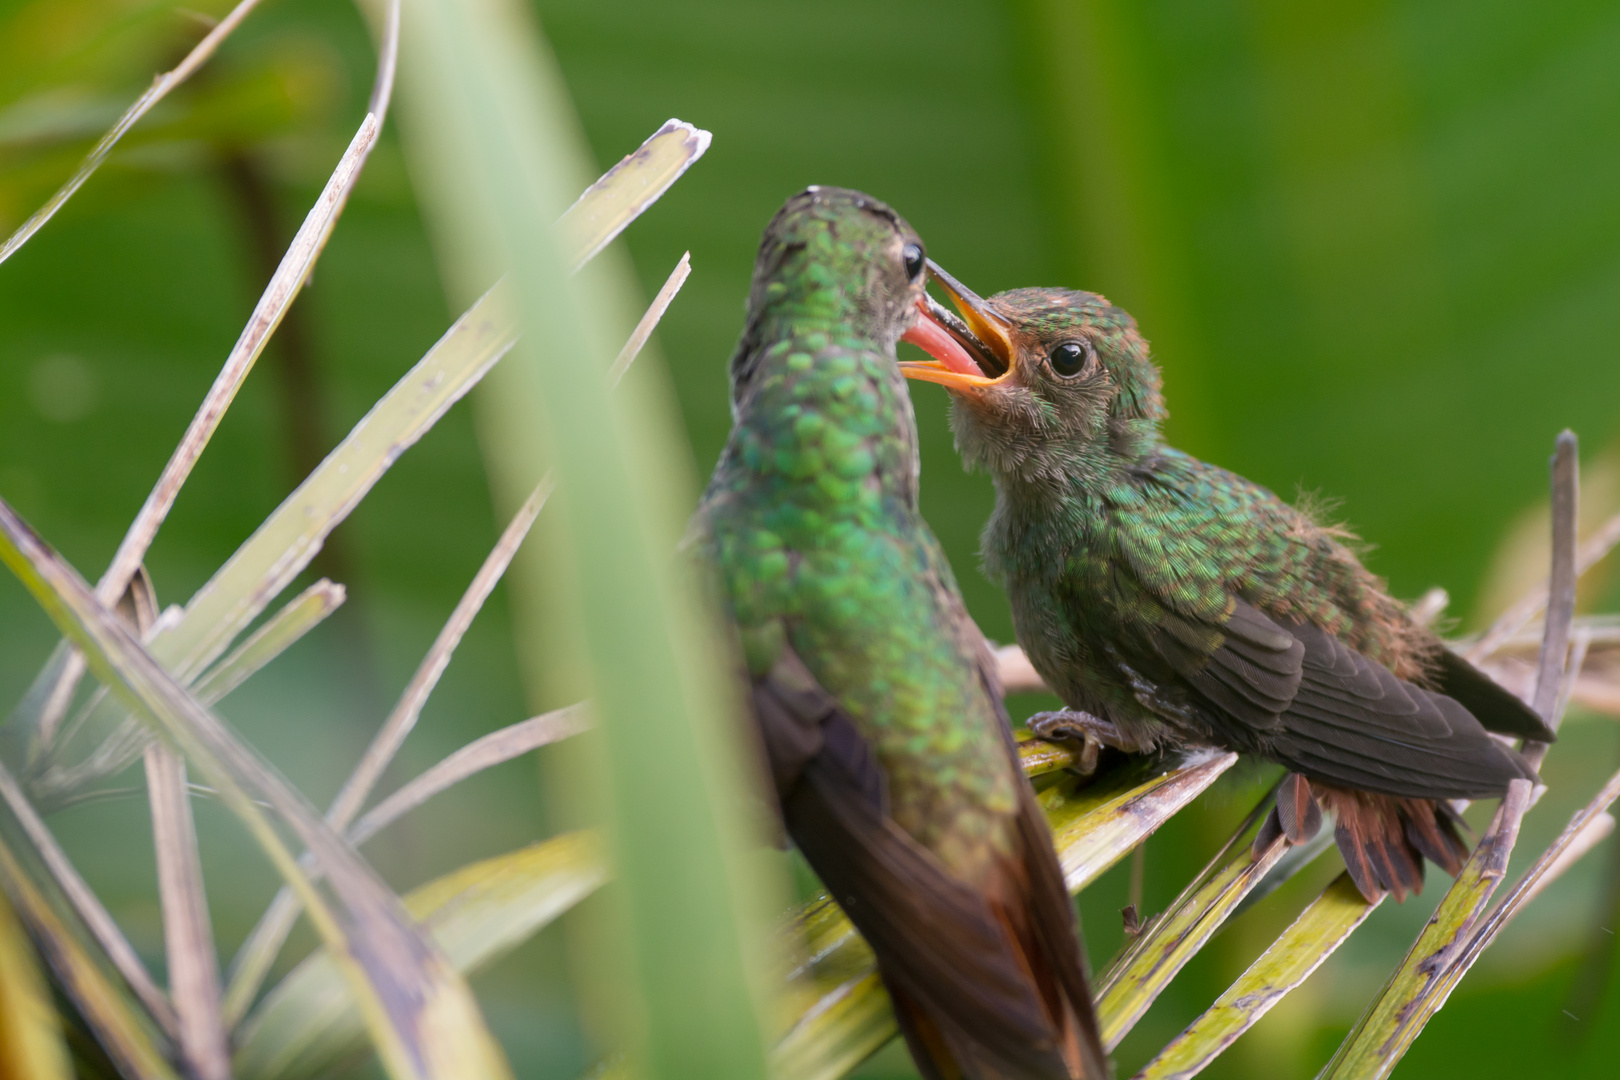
point(874, 692)
point(1169, 601)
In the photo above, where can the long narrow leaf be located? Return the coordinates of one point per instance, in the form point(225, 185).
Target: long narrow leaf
point(476, 915)
point(419, 1012)
point(498, 153)
point(120, 1023)
point(1172, 939)
point(1320, 929)
point(624, 192)
point(31, 1046)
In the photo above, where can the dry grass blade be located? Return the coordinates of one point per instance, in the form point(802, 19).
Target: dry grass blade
point(421, 1015)
point(650, 319)
point(838, 1011)
point(155, 93)
point(298, 617)
point(386, 743)
point(121, 1025)
point(475, 915)
point(478, 755)
point(31, 1046)
point(278, 295)
point(1515, 618)
point(25, 822)
point(1173, 938)
point(608, 206)
point(258, 952)
point(188, 938)
point(1287, 962)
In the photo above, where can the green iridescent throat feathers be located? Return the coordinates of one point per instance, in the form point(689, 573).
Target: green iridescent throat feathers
point(872, 689)
point(1169, 601)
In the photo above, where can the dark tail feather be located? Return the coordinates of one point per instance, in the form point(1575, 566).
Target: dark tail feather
point(1493, 705)
point(1384, 840)
point(974, 976)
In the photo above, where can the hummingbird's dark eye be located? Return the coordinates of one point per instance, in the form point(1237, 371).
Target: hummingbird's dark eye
point(1068, 358)
point(913, 254)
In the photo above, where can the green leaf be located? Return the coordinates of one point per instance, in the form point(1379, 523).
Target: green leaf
point(121, 1025)
point(1174, 937)
point(31, 1046)
point(418, 1010)
point(498, 153)
point(476, 915)
point(1320, 929)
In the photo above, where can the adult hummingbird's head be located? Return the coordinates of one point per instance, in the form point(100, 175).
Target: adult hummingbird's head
point(1046, 381)
point(838, 259)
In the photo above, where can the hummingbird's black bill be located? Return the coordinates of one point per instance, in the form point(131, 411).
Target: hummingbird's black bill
point(971, 352)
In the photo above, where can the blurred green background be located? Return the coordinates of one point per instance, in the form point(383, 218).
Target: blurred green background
point(1376, 245)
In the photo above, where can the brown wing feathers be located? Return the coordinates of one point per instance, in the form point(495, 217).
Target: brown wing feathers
point(986, 984)
point(1377, 751)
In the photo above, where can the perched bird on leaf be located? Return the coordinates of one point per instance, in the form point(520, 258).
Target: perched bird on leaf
point(1168, 601)
point(874, 692)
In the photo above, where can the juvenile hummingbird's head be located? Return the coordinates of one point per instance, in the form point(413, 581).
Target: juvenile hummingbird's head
point(836, 258)
point(1044, 381)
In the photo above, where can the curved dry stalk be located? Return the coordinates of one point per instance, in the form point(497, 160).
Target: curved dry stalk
point(155, 93)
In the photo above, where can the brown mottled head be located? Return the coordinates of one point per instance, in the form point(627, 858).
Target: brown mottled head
point(1044, 380)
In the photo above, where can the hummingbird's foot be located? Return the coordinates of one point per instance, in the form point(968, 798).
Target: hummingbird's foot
point(1072, 725)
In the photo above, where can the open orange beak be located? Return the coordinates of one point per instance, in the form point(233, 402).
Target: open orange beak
point(970, 353)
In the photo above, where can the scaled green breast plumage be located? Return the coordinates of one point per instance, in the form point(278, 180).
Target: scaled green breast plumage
point(811, 518)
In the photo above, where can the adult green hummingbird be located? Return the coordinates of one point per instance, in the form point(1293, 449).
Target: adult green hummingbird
point(874, 693)
point(1169, 601)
